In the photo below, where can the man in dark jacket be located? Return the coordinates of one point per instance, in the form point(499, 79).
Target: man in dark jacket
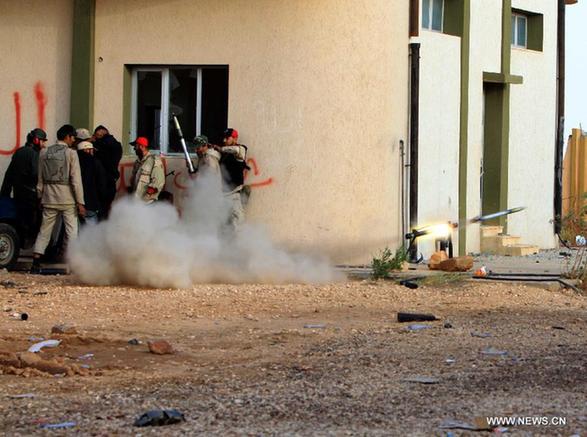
point(20, 179)
point(233, 165)
point(109, 153)
point(93, 180)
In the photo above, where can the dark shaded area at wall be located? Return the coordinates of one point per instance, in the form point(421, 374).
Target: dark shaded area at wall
point(495, 150)
point(82, 63)
point(214, 103)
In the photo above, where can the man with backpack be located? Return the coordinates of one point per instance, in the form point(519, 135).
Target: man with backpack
point(233, 164)
point(148, 175)
point(60, 190)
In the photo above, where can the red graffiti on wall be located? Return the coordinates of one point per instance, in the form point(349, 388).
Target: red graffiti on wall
point(41, 101)
point(41, 104)
point(179, 176)
point(16, 97)
point(253, 164)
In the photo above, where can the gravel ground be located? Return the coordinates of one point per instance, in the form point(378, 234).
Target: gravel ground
point(246, 365)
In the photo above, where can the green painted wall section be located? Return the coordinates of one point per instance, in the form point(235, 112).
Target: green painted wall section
point(495, 149)
point(126, 109)
point(535, 32)
point(464, 121)
point(496, 134)
point(82, 64)
point(506, 36)
point(453, 23)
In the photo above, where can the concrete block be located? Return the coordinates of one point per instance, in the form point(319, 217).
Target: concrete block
point(496, 243)
point(521, 250)
point(490, 231)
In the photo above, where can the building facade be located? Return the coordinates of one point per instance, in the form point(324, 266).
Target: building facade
point(320, 92)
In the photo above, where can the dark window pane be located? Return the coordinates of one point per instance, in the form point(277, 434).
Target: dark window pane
point(214, 103)
point(149, 107)
point(522, 31)
point(183, 86)
point(426, 14)
point(514, 30)
point(437, 15)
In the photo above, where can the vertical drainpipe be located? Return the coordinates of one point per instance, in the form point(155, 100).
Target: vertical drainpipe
point(560, 119)
point(414, 124)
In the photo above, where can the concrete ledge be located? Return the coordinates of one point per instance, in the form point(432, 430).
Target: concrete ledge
point(502, 78)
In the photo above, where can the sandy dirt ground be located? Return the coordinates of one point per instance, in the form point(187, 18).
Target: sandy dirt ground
point(250, 359)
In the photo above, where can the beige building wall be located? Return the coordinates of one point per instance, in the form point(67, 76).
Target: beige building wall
point(440, 99)
point(532, 133)
point(35, 51)
point(485, 55)
point(318, 90)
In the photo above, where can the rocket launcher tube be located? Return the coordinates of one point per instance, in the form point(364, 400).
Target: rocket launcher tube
point(186, 154)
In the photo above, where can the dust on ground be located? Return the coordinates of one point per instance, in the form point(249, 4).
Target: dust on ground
point(247, 365)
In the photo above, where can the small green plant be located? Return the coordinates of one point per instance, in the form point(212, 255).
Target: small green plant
point(574, 223)
point(387, 262)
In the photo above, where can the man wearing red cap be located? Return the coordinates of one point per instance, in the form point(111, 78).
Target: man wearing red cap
point(148, 176)
point(233, 164)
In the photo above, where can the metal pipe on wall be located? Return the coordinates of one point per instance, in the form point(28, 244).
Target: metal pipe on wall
point(414, 135)
point(560, 119)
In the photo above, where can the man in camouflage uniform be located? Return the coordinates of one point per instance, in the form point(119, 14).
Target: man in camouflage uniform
point(208, 161)
point(148, 176)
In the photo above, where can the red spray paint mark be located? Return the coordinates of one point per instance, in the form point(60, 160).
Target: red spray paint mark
point(253, 163)
point(122, 187)
point(176, 183)
point(16, 96)
point(180, 176)
point(41, 104)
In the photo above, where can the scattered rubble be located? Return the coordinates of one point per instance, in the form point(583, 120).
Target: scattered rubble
point(159, 418)
point(63, 329)
point(458, 264)
point(160, 347)
point(31, 364)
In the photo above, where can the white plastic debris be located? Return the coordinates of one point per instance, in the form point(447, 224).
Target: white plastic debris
point(47, 343)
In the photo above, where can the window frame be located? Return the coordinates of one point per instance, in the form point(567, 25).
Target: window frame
point(516, 17)
point(430, 13)
point(164, 122)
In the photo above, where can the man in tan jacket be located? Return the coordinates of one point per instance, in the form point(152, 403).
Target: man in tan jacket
point(60, 190)
point(148, 176)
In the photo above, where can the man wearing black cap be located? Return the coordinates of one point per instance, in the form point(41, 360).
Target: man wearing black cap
point(60, 190)
point(21, 180)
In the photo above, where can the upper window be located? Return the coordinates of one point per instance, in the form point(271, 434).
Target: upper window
point(519, 30)
point(432, 14)
point(198, 96)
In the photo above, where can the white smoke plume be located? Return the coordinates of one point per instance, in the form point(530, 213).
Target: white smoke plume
point(152, 246)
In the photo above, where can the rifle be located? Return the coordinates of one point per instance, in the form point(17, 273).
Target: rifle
point(186, 154)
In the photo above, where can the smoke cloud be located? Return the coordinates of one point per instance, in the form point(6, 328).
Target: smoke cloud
point(152, 246)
